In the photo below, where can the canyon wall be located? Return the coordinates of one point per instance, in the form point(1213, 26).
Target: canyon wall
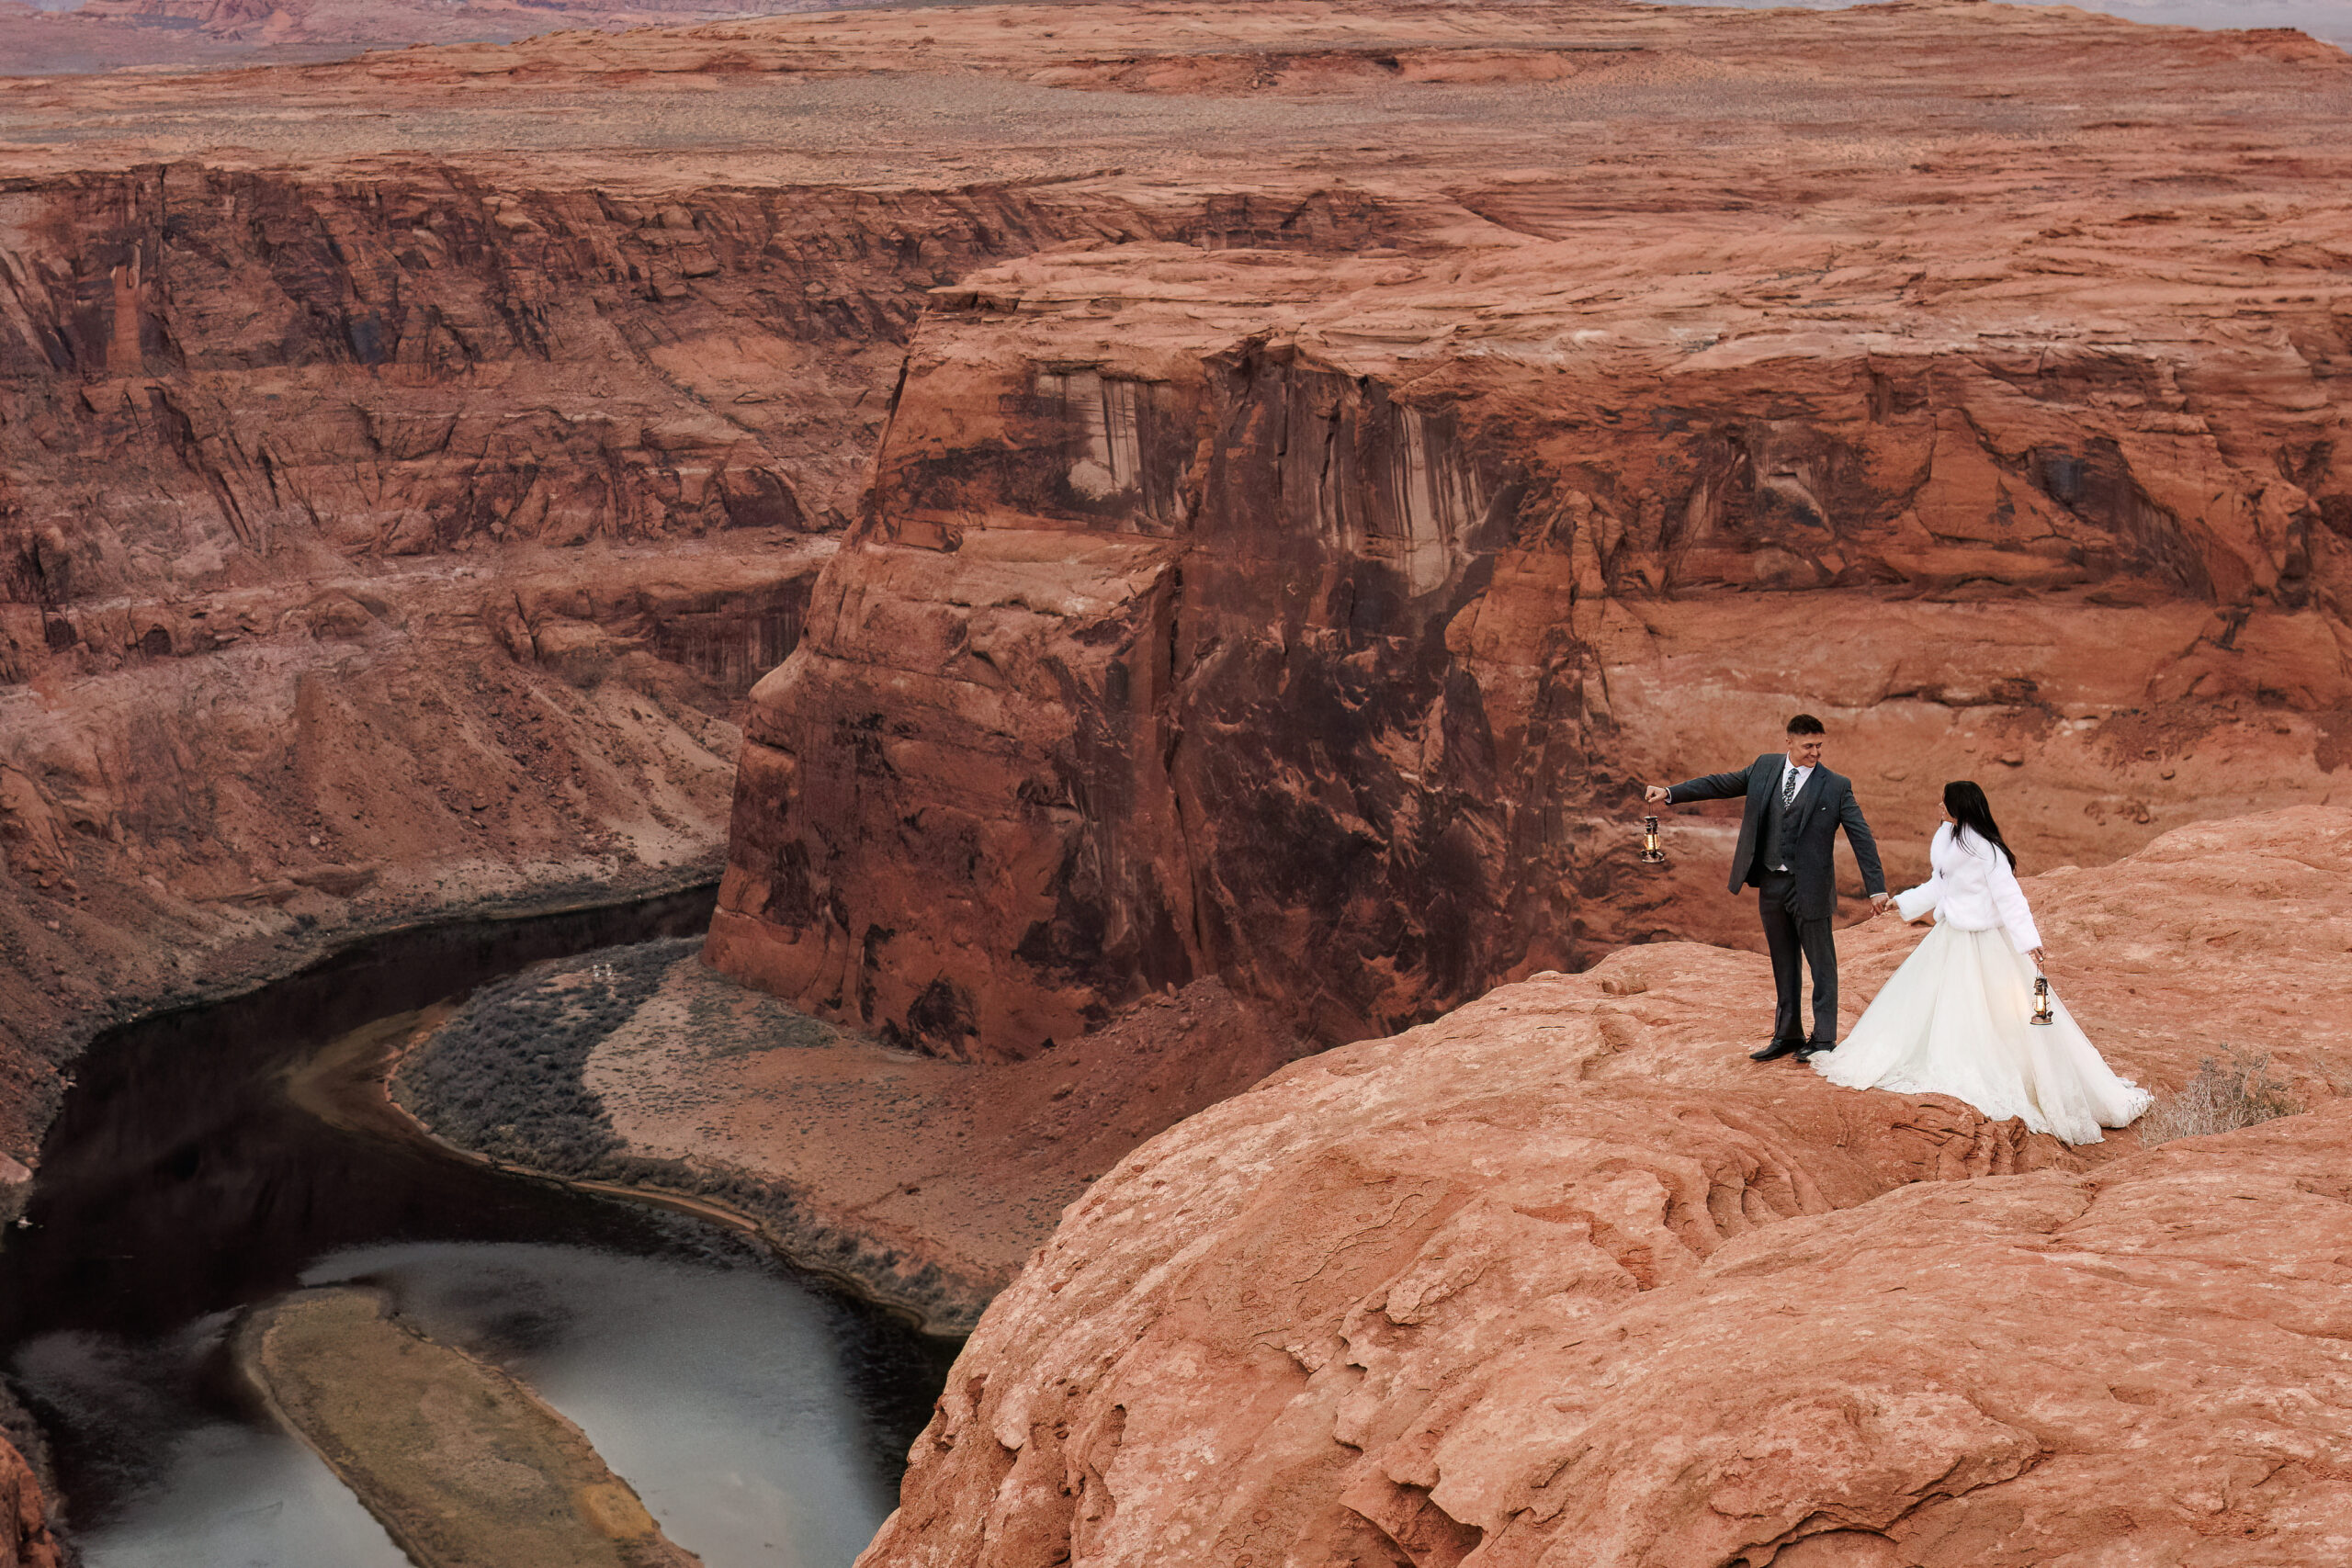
point(1285, 577)
point(372, 546)
point(1313, 625)
point(1413, 427)
point(25, 1539)
point(1562, 1278)
point(107, 35)
point(377, 540)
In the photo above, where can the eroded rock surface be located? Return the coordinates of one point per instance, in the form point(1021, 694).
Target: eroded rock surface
point(25, 1539)
point(1562, 1277)
point(1311, 623)
point(382, 536)
point(1868, 334)
point(104, 35)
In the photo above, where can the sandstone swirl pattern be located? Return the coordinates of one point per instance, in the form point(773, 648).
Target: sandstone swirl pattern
point(1561, 1279)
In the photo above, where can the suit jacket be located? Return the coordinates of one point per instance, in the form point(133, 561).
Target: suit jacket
point(1824, 805)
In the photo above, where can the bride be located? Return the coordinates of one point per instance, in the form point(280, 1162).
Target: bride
point(1955, 1018)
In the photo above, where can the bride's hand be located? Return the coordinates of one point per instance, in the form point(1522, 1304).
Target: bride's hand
point(2039, 962)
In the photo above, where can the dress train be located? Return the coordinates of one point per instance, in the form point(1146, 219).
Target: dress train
point(1956, 1019)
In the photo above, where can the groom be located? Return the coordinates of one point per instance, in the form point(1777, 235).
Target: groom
point(1787, 843)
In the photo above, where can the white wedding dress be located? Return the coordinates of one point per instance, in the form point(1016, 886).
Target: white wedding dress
point(1955, 1018)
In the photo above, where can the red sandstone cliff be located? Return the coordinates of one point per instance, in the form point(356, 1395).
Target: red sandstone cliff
point(409, 525)
point(373, 542)
point(25, 1540)
point(102, 35)
point(1419, 420)
point(1310, 622)
point(1564, 1278)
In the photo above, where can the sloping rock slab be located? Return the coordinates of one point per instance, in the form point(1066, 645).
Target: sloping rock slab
point(1563, 1279)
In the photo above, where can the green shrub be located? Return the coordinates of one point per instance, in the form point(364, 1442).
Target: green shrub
point(504, 1075)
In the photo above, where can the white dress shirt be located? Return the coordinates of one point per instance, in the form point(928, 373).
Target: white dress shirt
point(1787, 794)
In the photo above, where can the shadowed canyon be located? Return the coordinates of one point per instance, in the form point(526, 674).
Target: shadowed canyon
point(1140, 544)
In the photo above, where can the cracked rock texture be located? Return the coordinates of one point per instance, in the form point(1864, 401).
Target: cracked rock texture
point(1562, 1277)
point(1416, 425)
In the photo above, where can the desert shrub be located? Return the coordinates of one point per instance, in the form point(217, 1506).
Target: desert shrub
point(504, 1076)
point(2222, 1098)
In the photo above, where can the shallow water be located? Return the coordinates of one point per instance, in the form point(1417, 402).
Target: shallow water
point(718, 1395)
point(763, 1418)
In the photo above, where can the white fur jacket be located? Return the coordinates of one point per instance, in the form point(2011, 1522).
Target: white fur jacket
point(1973, 888)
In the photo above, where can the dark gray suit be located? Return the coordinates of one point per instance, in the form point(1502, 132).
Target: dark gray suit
point(1789, 858)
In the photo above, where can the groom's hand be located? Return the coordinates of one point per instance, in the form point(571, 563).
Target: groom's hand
point(1655, 794)
point(1878, 904)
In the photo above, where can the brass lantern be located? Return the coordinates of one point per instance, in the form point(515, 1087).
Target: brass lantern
point(2041, 999)
point(1651, 853)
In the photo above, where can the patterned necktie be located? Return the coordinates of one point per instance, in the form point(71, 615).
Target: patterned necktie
point(1789, 790)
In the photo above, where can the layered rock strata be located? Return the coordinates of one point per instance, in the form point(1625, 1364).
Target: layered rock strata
point(533, 418)
point(373, 543)
point(1312, 623)
point(25, 1538)
point(108, 35)
point(2071, 343)
point(1562, 1278)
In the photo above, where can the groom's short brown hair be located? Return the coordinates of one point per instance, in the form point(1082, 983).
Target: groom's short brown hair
point(1805, 724)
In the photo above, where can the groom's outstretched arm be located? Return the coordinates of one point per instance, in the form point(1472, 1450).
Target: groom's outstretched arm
point(1858, 834)
point(1711, 786)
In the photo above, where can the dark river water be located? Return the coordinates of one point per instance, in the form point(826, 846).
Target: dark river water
point(761, 1416)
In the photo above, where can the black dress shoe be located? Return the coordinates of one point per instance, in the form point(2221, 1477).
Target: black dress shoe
point(1815, 1048)
point(1775, 1050)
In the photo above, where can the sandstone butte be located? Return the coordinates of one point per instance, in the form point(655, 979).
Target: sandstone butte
point(1344, 449)
point(1561, 1279)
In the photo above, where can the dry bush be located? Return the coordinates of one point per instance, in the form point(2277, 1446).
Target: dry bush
point(2222, 1098)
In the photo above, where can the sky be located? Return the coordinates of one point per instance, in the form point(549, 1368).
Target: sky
point(2329, 20)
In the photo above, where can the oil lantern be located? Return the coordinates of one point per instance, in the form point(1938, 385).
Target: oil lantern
point(1651, 853)
point(2042, 999)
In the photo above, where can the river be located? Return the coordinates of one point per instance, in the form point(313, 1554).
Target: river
point(761, 1416)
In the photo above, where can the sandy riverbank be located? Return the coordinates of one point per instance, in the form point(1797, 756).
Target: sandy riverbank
point(261, 947)
point(923, 1183)
point(463, 1465)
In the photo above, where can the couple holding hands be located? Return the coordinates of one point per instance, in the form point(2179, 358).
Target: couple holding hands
point(1956, 1018)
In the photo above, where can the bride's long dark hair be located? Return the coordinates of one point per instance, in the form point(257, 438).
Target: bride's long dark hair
point(1965, 800)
